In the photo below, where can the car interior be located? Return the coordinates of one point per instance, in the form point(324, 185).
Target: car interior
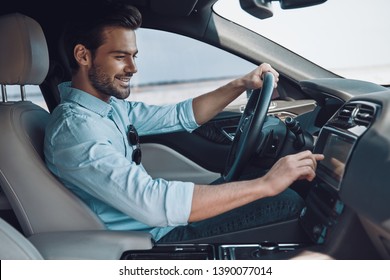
point(347, 212)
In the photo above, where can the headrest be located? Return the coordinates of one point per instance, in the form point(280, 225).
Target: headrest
point(24, 58)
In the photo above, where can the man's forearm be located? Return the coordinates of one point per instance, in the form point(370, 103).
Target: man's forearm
point(208, 105)
point(210, 201)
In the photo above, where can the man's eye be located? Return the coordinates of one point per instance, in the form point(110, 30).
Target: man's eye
point(120, 57)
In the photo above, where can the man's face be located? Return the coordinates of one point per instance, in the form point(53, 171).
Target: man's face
point(114, 63)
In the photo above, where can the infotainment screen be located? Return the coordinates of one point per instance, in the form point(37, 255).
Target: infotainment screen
point(336, 149)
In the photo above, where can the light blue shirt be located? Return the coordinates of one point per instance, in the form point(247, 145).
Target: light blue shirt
point(86, 147)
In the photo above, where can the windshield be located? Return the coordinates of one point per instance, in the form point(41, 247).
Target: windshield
point(347, 37)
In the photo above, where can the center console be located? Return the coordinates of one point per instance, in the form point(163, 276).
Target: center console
point(263, 250)
point(336, 142)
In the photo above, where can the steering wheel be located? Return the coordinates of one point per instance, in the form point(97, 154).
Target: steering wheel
point(248, 134)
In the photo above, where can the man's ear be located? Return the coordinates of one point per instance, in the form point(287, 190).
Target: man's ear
point(82, 55)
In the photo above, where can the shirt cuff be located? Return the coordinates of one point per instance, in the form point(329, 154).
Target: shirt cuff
point(186, 115)
point(179, 203)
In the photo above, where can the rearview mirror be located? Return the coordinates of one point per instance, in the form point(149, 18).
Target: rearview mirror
point(257, 8)
point(294, 4)
point(263, 9)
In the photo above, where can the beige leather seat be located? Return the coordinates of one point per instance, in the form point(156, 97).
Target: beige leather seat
point(41, 203)
point(14, 246)
point(86, 245)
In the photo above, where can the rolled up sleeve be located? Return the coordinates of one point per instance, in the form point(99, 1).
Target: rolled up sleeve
point(162, 119)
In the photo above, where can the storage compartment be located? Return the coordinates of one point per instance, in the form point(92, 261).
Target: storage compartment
point(172, 252)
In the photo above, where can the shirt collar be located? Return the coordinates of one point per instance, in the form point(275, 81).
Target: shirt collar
point(84, 99)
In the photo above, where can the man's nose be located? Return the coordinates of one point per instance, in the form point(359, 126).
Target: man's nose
point(131, 66)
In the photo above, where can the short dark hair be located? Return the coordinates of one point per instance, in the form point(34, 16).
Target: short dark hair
point(88, 29)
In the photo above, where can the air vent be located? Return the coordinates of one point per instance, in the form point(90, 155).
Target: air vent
point(345, 113)
point(356, 113)
point(364, 114)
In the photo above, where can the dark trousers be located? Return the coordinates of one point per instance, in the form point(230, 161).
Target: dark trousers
point(284, 206)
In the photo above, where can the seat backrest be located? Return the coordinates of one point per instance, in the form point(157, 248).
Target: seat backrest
point(40, 202)
point(14, 246)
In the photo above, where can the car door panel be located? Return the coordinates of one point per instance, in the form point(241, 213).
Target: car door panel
point(161, 161)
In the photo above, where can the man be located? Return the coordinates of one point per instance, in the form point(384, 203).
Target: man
point(92, 146)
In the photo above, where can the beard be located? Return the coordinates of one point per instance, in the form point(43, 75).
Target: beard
point(105, 85)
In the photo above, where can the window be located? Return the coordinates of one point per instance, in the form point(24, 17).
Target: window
point(172, 68)
point(348, 37)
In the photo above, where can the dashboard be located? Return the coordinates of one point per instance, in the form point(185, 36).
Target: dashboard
point(353, 179)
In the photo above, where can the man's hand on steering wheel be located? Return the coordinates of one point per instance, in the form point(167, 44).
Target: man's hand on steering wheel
point(249, 135)
point(254, 79)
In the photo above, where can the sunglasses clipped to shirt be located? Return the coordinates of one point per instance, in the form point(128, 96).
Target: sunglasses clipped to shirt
point(133, 138)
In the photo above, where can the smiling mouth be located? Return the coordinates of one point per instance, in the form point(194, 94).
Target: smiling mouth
point(124, 81)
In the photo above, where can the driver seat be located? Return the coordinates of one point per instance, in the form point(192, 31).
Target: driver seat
point(40, 202)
